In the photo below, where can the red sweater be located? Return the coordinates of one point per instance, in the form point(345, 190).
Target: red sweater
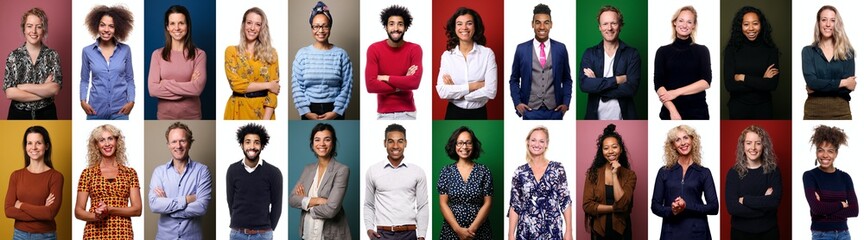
point(396, 94)
point(32, 190)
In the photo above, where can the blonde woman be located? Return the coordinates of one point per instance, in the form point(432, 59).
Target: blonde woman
point(680, 185)
point(33, 76)
point(539, 197)
point(754, 187)
point(110, 185)
point(252, 68)
point(682, 71)
point(829, 68)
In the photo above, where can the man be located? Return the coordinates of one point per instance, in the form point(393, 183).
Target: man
point(394, 67)
point(394, 189)
point(180, 189)
point(540, 83)
point(254, 188)
point(611, 71)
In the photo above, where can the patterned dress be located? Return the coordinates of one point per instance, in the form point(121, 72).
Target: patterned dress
point(242, 69)
point(540, 204)
point(114, 192)
point(465, 198)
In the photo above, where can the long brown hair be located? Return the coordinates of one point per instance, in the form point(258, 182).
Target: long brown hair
point(187, 40)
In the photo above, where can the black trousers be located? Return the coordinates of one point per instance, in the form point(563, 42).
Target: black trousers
point(47, 113)
point(457, 113)
point(322, 108)
point(772, 234)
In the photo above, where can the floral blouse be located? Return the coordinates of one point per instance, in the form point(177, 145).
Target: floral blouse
point(19, 70)
point(114, 192)
point(540, 204)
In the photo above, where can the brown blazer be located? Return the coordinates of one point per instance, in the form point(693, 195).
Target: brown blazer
point(594, 194)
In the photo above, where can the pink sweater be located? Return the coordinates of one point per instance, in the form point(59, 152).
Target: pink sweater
point(395, 95)
point(172, 82)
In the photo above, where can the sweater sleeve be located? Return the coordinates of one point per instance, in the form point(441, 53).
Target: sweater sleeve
point(42, 212)
point(275, 197)
point(373, 85)
point(770, 201)
point(11, 198)
point(729, 72)
point(660, 76)
point(731, 197)
point(760, 82)
point(298, 84)
point(154, 79)
point(195, 85)
point(705, 68)
point(410, 82)
point(817, 207)
point(852, 200)
point(344, 96)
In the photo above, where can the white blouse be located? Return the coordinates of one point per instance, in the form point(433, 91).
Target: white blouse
point(479, 65)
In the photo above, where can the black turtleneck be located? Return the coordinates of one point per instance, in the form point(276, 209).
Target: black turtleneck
point(751, 98)
point(680, 64)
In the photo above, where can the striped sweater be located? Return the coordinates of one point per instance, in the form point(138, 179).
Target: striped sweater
point(321, 76)
point(827, 213)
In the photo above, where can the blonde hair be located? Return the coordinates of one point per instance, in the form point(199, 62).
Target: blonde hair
point(695, 22)
point(537, 128)
point(37, 12)
point(842, 47)
point(94, 156)
point(670, 154)
point(768, 157)
point(263, 49)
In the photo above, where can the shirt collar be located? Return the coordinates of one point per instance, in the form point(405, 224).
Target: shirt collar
point(260, 163)
point(456, 51)
point(537, 43)
point(401, 164)
point(188, 163)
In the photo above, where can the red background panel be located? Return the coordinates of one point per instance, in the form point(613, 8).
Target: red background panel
point(780, 132)
point(59, 38)
point(635, 136)
point(492, 13)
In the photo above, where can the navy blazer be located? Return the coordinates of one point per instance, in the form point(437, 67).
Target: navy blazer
point(692, 223)
point(561, 80)
point(626, 62)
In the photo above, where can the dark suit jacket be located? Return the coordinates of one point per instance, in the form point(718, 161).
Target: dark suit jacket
point(626, 62)
point(332, 186)
point(520, 77)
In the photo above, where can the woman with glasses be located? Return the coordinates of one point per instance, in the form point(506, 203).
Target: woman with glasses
point(465, 189)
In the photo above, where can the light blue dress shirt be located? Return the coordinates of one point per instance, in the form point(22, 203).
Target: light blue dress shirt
point(113, 82)
point(178, 219)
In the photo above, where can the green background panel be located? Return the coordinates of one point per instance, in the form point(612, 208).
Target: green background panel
point(491, 134)
point(634, 33)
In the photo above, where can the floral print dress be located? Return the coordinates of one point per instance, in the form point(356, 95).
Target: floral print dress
point(540, 205)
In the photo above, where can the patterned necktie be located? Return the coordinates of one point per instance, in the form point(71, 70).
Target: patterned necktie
point(542, 55)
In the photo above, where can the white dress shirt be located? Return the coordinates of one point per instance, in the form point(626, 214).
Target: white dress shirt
point(396, 196)
point(546, 47)
point(479, 65)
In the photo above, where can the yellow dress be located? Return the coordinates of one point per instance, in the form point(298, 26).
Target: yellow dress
point(241, 70)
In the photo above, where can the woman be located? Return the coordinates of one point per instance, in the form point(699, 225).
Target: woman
point(178, 83)
point(108, 90)
point(35, 192)
point(750, 64)
point(680, 185)
point(539, 197)
point(321, 77)
point(252, 68)
point(465, 88)
point(829, 190)
point(682, 71)
point(609, 185)
point(109, 185)
point(321, 188)
point(465, 189)
point(754, 187)
point(829, 68)
point(33, 75)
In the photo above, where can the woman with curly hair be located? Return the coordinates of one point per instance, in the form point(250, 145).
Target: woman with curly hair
point(252, 68)
point(110, 185)
point(754, 187)
point(829, 190)
point(750, 66)
point(107, 89)
point(608, 192)
point(829, 68)
point(680, 185)
point(468, 77)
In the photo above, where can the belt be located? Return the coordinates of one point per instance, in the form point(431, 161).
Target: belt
point(251, 231)
point(398, 228)
point(262, 93)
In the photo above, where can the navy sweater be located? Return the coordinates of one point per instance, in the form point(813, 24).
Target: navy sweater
point(758, 212)
point(254, 199)
point(827, 213)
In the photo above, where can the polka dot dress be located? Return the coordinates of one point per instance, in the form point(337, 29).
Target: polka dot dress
point(465, 198)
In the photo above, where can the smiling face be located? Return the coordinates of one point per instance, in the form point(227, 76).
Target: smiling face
point(827, 19)
point(177, 26)
point(464, 145)
point(611, 149)
point(825, 155)
point(252, 23)
point(465, 28)
point(107, 144)
point(609, 26)
point(541, 23)
point(537, 143)
point(684, 24)
point(395, 28)
point(106, 28)
point(35, 146)
point(251, 147)
point(322, 143)
point(683, 143)
point(395, 144)
point(321, 28)
point(751, 26)
point(752, 146)
point(178, 144)
point(33, 30)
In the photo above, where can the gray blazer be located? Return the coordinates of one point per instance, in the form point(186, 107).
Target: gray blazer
point(332, 186)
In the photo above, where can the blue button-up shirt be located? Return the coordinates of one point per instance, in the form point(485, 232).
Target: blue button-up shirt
point(113, 83)
point(178, 219)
